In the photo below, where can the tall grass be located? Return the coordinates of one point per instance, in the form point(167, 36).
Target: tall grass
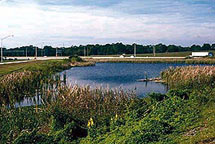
point(17, 85)
point(83, 103)
point(189, 76)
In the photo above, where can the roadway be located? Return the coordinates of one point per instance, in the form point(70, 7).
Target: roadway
point(134, 57)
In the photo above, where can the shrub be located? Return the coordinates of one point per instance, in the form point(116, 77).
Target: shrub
point(75, 58)
point(137, 109)
point(157, 96)
point(33, 137)
point(71, 131)
point(183, 94)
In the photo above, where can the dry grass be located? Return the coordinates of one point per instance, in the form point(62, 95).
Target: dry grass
point(84, 103)
point(15, 86)
point(190, 76)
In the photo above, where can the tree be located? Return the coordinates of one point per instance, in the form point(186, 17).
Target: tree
point(206, 47)
point(172, 48)
point(213, 46)
point(195, 48)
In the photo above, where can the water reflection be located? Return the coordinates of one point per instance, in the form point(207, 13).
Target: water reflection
point(119, 75)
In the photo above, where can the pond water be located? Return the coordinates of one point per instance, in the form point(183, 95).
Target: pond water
point(120, 76)
point(112, 75)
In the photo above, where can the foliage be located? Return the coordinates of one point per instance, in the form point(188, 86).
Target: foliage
point(33, 137)
point(75, 58)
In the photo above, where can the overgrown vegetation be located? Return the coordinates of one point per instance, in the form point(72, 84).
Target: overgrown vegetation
point(155, 60)
point(189, 76)
point(83, 115)
point(24, 83)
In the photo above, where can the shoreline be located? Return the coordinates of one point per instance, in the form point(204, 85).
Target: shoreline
point(152, 60)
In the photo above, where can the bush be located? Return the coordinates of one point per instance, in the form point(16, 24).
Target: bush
point(137, 109)
point(75, 58)
point(33, 138)
point(183, 94)
point(157, 96)
point(71, 131)
point(149, 131)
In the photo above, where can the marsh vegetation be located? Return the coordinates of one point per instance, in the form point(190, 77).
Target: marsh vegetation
point(73, 114)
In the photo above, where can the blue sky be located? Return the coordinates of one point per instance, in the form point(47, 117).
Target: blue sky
point(75, 22)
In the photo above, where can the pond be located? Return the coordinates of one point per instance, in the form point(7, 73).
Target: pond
point(120, 76)
point(112, 75)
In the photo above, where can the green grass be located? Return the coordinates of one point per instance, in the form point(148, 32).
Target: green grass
point(9, 68)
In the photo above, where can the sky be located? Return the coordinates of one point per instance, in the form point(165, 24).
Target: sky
point(81, 22)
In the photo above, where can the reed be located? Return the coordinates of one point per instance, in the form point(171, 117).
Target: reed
point(189, 76)
point(14, 87)
point(83, 103)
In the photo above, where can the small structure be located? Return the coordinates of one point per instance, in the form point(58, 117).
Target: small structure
point(202, 54)
point(122, 56)
point(132, 56)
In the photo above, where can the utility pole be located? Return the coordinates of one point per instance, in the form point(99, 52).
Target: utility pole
point(85, 51)
point(2, 45)
point(56, 51)
point(41, 51)
point(35, 52)
point(26, 52)
point(1, 51)
point(154, 51)
point(135, 50)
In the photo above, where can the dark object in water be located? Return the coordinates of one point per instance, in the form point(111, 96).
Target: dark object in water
point(157, 80)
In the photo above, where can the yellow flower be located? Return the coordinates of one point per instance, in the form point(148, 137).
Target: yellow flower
point(116, 116)
point(91, 120)
point(90, 123)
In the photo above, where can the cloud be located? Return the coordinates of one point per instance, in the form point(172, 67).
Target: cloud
point(82, 22)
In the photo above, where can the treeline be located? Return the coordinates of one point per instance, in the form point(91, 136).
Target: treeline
point(108, 49)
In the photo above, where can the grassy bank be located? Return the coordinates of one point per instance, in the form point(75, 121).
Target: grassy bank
point(34, 66)
point(154, 60)
point(105, 116)
point(22, 80)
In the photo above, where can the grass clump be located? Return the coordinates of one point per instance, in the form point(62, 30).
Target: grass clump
point(189, 76)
